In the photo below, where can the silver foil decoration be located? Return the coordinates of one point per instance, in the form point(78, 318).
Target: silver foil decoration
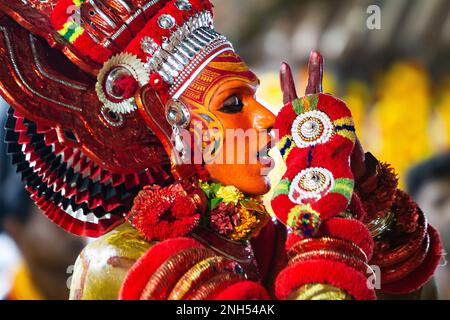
point(166, 21)
point(187, 45)
point(183, 5)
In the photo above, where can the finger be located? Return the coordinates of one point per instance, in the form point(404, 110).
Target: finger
point(315, 73)
point(287, 83)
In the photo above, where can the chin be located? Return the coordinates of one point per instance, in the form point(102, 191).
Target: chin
point(258, 186)
point(246, 178)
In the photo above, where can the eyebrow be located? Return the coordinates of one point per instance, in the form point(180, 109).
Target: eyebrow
point(245, 81)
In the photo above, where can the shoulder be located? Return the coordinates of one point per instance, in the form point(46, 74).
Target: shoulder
point(101, 267)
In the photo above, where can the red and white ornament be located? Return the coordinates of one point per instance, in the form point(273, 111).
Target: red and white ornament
point(118, 81)
point(310, 185)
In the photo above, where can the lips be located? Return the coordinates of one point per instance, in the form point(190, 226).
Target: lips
point(263, 154)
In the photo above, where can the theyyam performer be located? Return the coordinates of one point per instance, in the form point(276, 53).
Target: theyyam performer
point(119, 121)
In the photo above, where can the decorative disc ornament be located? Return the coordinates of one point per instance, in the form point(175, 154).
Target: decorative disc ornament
point(166, 21)
point(118, 81)
point(177, 114)
point(310, 184)
point(311, 128)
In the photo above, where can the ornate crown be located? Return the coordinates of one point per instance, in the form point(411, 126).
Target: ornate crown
point(134, 40)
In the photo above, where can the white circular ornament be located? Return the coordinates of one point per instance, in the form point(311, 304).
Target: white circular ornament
point(117, 67)
point(311, 128)
point(310, 184)
point(166, 21)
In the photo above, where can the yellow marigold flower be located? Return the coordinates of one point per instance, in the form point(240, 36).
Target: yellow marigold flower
point(251, 223)
point(244, 230)
point(230, 194)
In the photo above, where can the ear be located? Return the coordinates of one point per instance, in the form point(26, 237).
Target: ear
point(154, 112)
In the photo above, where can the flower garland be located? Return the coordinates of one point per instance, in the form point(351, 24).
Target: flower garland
point(175, 211)
point(231, 213)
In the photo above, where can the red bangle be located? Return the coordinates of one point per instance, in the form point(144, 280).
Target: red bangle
point(167, 275)
point(350, 230)
point(139, 274)
point(402, 252)
point(202, 272)
point(423, 273)
point(398, 272)
point(327, 243)
point(331, 272)
point(213, 286)
point(350, 261)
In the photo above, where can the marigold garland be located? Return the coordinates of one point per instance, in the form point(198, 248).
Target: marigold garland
point(232, 215)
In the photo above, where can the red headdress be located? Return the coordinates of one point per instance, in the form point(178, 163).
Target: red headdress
point(93, 87)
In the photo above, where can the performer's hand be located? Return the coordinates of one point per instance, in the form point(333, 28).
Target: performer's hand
point(315, 78)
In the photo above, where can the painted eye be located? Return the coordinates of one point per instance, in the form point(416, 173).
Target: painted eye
point(232, 105)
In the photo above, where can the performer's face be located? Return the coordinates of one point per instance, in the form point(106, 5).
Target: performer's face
point(222, 98)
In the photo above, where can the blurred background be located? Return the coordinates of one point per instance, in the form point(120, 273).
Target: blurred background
point(36, 256)
point(388, 59)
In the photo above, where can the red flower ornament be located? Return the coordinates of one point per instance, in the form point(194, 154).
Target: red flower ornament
point(164, 213)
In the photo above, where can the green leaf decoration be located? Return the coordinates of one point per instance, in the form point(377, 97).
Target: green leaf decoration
point(215, 202)
point(215, 187)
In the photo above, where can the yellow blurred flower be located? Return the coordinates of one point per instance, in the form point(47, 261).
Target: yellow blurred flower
point(402, 116)
point(357, 99)
point(442, 133)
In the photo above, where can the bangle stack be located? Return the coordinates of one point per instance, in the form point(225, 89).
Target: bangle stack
point(309, 255)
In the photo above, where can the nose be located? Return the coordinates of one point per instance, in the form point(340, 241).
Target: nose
point(262, 118)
